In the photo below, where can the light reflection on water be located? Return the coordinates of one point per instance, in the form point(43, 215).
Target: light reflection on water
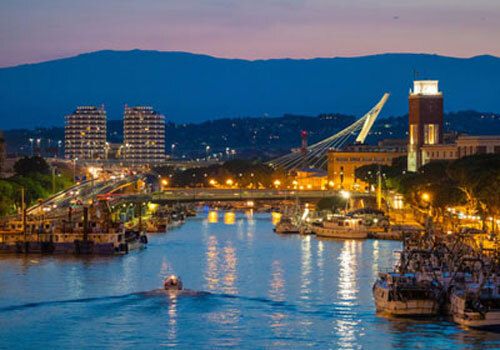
point(268, 291)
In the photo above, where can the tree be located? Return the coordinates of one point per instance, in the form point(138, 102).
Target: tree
point(331, 203)
point(478, 177)
point(7, 197)
point(31, 165)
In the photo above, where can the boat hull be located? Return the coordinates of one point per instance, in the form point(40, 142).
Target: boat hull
point(490, 320)
point(336, 233)
point(407, 308)
point(473, 319)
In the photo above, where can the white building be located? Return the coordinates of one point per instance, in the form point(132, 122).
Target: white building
point(144, 136)
point(85, 133)
point(463, 146)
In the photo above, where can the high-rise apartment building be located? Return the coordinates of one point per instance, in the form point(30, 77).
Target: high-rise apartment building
point(144, 136)
point(85, 133)
point(425, 120)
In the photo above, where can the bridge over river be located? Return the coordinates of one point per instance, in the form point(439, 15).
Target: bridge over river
point(207, 195)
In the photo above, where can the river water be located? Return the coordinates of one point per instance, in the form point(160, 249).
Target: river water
point(264, 291)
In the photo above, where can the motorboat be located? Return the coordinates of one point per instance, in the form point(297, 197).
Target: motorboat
point(172, 283)
point(341, 227)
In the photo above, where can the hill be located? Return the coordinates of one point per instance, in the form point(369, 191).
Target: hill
point(195, 88)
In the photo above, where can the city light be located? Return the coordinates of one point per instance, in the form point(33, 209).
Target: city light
point(426, 197)
point(229, 182)
point(345, 194)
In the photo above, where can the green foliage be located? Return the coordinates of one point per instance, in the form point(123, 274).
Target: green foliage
point(472, 180)
point(331, 203)
point(7, 197)
point(246, 173)
point(31, 165)
point(369, 173)
point(478, 178)
point(37, 184)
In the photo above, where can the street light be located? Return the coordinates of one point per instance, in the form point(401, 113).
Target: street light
point(277, 183)
point(426, 197)
point(31, 145)
point(172, 148)
point(346, 195)
point(74, 168)
point(163, 184)
point(229, 182)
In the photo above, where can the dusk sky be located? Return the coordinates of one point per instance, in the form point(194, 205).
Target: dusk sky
point(38, 30)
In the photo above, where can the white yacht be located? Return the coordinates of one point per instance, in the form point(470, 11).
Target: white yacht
point(341, 227)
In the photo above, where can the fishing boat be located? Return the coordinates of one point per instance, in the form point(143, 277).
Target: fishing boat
point(404, 295)
point(475, 300)
point(470, 311)
point(58, 236)
point(341, 227)
point(286, 226)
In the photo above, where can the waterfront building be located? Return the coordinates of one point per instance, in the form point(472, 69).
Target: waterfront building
point(310, 179)
point(425, 120)
point(342, 164)
point(144, 136)
point(85, 133)
point(463, 146)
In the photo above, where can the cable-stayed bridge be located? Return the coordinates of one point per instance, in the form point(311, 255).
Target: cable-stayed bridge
point(315, 156)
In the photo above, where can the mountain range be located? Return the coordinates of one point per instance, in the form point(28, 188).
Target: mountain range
point(195, 88)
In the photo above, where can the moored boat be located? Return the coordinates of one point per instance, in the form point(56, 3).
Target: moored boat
point(50, 237)
point(476, 305)
point(341, 227)
point(286, 225)
point(404, 295)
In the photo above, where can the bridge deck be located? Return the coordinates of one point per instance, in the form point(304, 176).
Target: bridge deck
point(201, 195)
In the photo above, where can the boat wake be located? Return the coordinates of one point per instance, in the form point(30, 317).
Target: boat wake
point(168, 296)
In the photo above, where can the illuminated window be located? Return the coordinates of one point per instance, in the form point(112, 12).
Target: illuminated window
point(431, 134)
point(413, 134)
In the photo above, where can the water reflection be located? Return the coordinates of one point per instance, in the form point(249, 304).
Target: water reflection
point(213, 217)
point(172, 318)
point(249, 217)
point(278, 319)
point(346, 324)
point(229, 218)
point(277, 284)
point(229, 270)
point(305, 267)
point(347, 288)
point(211, 271)
point(375, 249)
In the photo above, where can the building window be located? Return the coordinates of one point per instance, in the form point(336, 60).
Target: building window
point(431, 134)
point(413, 134)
